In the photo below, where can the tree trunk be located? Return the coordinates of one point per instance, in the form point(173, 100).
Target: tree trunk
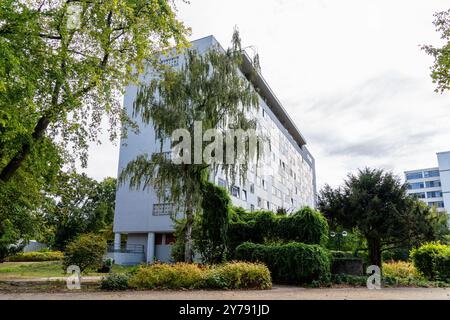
point(188, 234)
point(374, 245)
point(15, 163)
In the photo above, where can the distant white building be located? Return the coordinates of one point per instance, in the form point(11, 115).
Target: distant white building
point(432, 185)
point(289, 179)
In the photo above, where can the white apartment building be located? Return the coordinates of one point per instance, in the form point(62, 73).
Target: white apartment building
point(286, 179)
point(432, 185)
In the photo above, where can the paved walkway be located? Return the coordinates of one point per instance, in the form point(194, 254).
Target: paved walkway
point(49, 279)
point(277, 293)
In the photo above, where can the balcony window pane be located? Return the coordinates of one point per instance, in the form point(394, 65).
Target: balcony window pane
point(414, 175)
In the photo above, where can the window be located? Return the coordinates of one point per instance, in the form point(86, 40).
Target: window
point(418, 195)
point(264, 184)
point(258, 182)
point(434, 194)
point(259, 202)
point(162, 209)
point(222, 183)
point(268, 205)
point(414, 175)
point(438, 204)
point(252, 188)
point(252, 208)
point(416, 185)
point(431, 173)
point(173, 62)
point(244, 195)
point(433, 184)
point(274, 191)
point(235, 191)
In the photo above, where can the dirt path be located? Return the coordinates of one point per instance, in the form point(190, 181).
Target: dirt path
point(277, 293)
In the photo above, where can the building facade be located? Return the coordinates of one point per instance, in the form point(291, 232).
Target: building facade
point(432, 185)
point(285, 178)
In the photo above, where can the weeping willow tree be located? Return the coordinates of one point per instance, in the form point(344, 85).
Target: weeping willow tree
point(207, 97)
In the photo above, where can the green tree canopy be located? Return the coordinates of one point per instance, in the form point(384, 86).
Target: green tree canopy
point(375, 202)
point(61, 73)
point(78, 205)
point(440, 71)
point(23, 198)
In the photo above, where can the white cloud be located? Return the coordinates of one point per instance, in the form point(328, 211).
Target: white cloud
point(349, 72)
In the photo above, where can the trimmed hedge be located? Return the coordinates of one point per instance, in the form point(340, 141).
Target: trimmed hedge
point(432, 259)
point(233, 275)
point(306, 226)
point(343, 262)
point(36, 256)
point(294, 263)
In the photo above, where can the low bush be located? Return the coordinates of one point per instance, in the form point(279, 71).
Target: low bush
point(115, 282)
point(401, 272)
point(86, 252)
point(233, 275)
point(238, 275)
point(432, 260)
point(441, 266)
point(36, 256)
point(167, 276)
point(294, 263)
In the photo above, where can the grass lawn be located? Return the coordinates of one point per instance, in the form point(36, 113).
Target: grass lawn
point(23, 270)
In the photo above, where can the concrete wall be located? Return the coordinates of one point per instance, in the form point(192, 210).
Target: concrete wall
point(163, 252)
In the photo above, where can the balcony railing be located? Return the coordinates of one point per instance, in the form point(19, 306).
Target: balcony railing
point(128, 248)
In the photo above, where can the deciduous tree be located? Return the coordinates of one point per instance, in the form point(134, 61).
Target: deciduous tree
point(208, 88)
point(440, 71)
point(77, 205)
point(60, 74)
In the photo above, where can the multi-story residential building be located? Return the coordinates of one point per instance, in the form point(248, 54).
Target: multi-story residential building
point(285, 179)
point(432, 185)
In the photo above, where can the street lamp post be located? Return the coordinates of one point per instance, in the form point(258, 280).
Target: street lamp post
point(338, 236)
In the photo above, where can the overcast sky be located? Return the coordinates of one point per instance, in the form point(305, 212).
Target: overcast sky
point(350, 73)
